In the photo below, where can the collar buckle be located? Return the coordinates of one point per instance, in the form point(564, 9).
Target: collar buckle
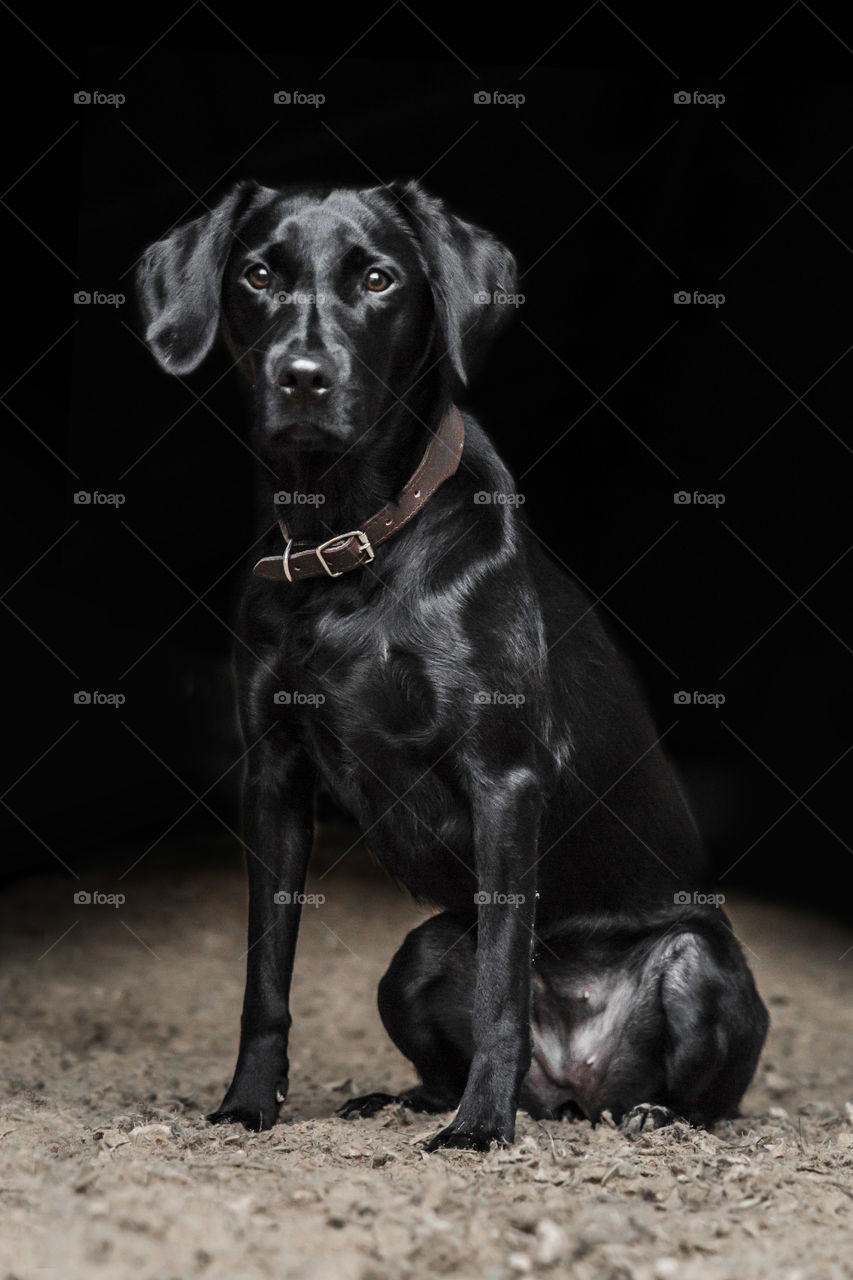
point(335, 544)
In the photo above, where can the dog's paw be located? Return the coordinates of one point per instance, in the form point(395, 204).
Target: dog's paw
point(366, 1106)
point(463, 1139)
point(255, 1114)
point(646, 1116)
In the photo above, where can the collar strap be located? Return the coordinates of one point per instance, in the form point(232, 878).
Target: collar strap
point(345, 551)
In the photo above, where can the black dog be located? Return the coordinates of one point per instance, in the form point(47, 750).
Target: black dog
point(478, 724)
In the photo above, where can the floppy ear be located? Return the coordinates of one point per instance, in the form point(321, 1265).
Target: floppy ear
point(469, 271)
point(179, 282)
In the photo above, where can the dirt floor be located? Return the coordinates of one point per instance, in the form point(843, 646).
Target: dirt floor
point(120, 1038)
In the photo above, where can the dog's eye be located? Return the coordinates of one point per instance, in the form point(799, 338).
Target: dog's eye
point(258, 276)
point(377, 281)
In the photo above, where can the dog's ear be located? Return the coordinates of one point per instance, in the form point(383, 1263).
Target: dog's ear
point(469, 271)
point(179, 283)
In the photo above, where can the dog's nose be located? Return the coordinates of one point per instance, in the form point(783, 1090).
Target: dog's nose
point(306, 377)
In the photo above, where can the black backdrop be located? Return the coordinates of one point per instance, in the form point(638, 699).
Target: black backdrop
point(606, 396)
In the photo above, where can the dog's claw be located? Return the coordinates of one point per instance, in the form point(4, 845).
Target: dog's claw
point(366, 1106)
point(257, 1118)
point(646, 1116)
point(464, 1140)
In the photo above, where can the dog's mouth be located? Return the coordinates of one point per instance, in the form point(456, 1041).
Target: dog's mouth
point(305, 436)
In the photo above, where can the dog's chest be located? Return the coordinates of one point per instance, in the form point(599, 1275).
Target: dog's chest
point(370, 675)
point(380, 721)
point(379, 704)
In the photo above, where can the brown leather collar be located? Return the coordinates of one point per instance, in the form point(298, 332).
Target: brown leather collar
point(345, 551)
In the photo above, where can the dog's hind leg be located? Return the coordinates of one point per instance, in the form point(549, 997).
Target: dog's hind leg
point(653, 1029)
point(425, 1001)
point(716, 1024)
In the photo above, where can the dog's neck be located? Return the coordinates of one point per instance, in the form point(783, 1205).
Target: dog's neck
point(334, 492)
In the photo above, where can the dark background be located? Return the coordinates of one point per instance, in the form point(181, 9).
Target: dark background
point(613, 198)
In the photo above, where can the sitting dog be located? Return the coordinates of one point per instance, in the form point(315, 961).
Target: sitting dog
point(457, 693)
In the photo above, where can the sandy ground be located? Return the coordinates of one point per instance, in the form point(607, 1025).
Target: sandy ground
point(118, 1040)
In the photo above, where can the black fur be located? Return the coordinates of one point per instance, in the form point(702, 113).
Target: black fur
point(580, 984)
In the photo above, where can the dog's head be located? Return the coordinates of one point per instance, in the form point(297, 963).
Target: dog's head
point(334, 304)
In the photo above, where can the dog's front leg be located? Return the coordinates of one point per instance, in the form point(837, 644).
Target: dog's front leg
point(506, 827)
point(278, 804)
